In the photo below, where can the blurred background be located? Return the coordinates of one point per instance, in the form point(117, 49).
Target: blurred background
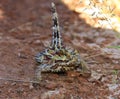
point(90, 26)
point(97, 13)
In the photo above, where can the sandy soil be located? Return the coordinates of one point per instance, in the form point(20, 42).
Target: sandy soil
point(25, 30)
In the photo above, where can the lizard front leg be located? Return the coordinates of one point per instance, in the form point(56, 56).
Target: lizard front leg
point(42, 68)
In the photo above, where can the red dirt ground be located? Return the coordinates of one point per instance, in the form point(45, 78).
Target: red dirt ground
point(25, 30)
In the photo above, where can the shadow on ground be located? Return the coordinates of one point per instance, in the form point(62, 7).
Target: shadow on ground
point(25, 29)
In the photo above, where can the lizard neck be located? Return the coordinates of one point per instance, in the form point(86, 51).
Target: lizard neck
point(56, 38)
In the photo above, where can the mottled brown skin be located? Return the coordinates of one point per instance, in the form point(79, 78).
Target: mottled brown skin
point(58, 58)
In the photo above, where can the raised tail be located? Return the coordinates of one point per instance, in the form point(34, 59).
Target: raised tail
point(56, 38)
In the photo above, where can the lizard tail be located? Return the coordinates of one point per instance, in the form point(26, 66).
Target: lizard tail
point(56, 39)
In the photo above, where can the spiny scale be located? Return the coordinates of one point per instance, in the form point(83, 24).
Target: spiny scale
point(59, 58)
point(56, 39)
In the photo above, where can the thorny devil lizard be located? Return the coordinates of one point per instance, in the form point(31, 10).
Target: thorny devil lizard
point(57, 58)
